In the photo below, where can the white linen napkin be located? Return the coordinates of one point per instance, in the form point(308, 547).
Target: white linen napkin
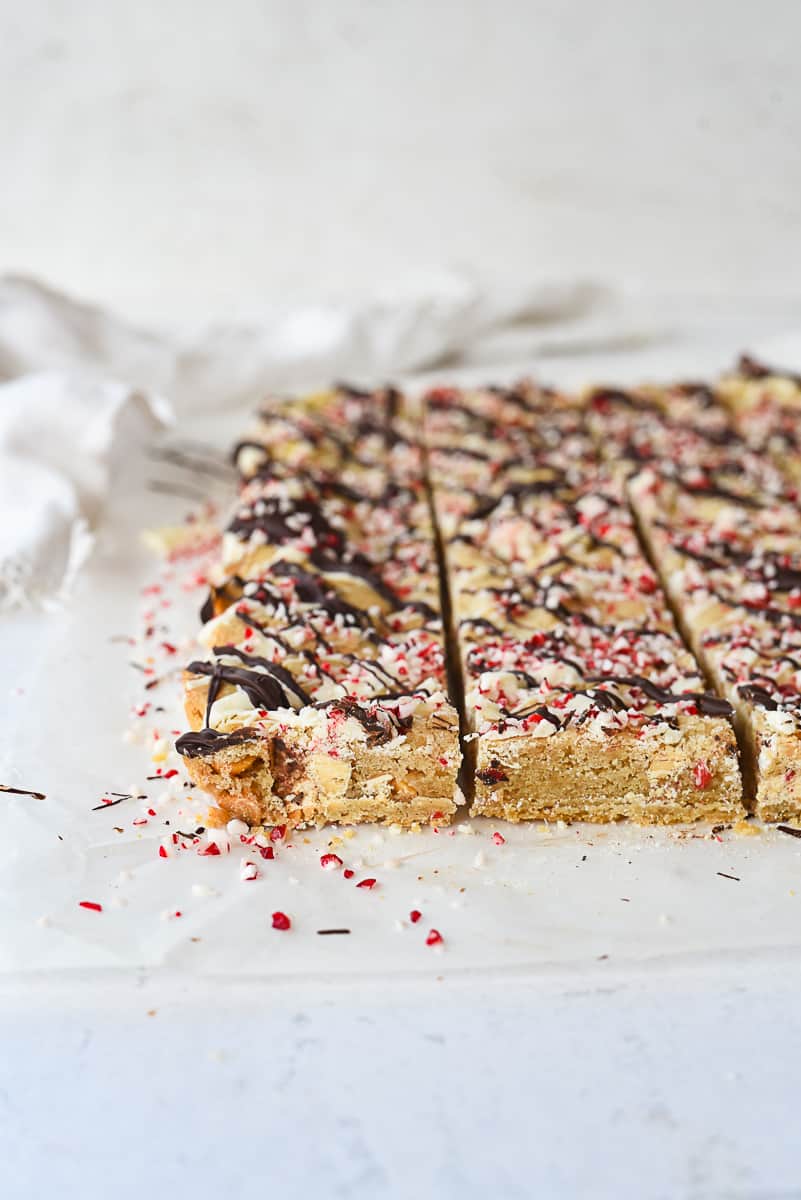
point(406, 327)
point(57, 431)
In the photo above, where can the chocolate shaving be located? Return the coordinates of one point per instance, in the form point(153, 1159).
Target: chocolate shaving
point(751, 368)
point(120, 796)
point(14, 791)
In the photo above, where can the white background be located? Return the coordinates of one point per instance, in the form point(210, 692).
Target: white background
point(187, 157)
point(187, 160)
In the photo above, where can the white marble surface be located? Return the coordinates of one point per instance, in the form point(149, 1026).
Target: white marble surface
point(191, 158)
point(653, 1090)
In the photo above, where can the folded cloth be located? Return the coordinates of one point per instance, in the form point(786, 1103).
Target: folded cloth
point(405, 327)
point(57, 431)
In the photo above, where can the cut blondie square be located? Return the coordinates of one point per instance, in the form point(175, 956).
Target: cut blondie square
point(765, 407)
point(731, 562)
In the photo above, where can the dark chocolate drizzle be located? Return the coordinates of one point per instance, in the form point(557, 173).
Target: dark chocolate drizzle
point(706, 702)
point(279, 673)
point(204, 742)
point(377, 732)
point(278, 520)
point(539, 710)
point(777, 576)
point(757, 695)
point(263, 688)
point(708, 487)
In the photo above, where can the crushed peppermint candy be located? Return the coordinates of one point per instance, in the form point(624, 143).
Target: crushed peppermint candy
point(330, 862)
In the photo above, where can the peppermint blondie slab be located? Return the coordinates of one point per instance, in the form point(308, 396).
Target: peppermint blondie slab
point(581, 699)
point(323, 695)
